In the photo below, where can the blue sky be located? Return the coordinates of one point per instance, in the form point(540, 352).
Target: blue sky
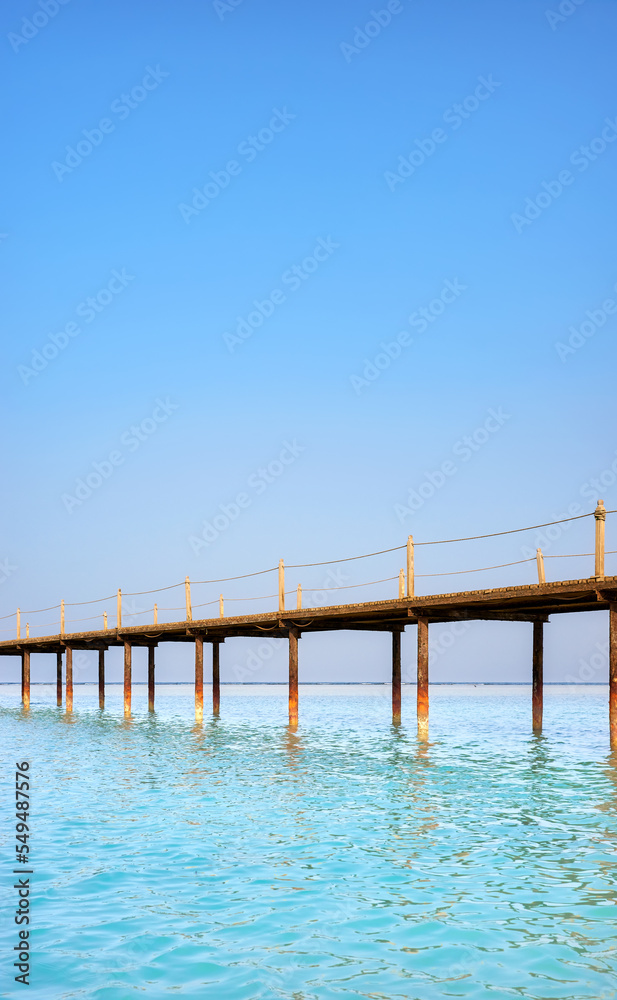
point(160, 99)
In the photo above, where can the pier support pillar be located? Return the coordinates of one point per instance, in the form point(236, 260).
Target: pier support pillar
point(150, 678)
point(293, 676)
point(25, 678)
point(101, 678)
point(538, 677)
point(396, 676)
point(69, 679)
point(612, 675)
point(127, 678)
point(216, 678)
point(199, 678)
point(59, 680)
point(422, 678)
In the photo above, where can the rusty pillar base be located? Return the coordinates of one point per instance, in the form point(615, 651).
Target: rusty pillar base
point(69, 679)
point(25, 679)
point(422, 679)
point(293, 676)
point(396, 677)
point(150, 678)
point(216, 678)
point(59, 680)
point(537, 695)
point(612, 676)
point(199, 678)
point(101, 678)
point(127, 678)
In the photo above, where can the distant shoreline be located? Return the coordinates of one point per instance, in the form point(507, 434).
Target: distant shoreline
point(190, 684)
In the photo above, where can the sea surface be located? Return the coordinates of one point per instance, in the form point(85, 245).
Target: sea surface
point(241, 859)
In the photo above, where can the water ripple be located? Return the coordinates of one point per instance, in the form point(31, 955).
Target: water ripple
point(244, 860)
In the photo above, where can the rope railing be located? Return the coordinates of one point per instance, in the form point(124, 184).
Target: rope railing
point(406, 579)
point(479, 569)
point(576, 555)
point(37, 611)
point(77, 604)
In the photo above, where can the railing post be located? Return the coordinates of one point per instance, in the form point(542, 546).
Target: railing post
point(156, 614)
point(221, 607)
point(105, 620)
point(410, 569)
point(600, 516)
point(299, 597)
point(119, 609)
point(187, 595)
point(401, 584)
point(62, 616)
point(281, 585)
point(540, 564)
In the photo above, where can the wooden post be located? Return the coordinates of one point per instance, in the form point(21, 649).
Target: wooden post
point(101, 678)
point(293, 676)
point(62, 616)
point(119, 609)
point(538, 677)
point(127, 678)
point(187, 597)
point(612, 675)
point(216, 679)
point(540, 564)
point(396, 676)
point(221, 607)
point(422, 679)
point(18, 623)
point(401, 584)
point(69, 679)
point(600, 516)
point(105, 620)
point(59, 680)
point(156, 614)
point(199, 678)
point(27, 630)
point(25, 678)
point(150, 678)
point(410, 568)
point(299, 597)
point(281, 585)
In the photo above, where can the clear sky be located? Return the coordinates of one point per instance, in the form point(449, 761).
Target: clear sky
point(216, 215)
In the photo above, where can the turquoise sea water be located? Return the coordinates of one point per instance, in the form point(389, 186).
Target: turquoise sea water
point(241, 860)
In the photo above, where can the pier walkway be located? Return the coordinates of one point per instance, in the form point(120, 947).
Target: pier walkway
point(531, 603)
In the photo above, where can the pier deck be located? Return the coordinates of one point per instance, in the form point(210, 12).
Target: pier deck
point(532, 603)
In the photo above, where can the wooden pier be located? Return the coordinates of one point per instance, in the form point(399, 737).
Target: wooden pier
point(532, 603)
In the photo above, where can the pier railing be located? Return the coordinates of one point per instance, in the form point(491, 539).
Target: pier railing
point(124, 607)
